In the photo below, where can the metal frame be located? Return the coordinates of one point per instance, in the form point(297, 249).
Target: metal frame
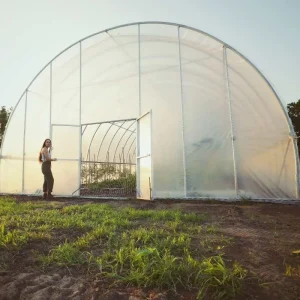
point(89, 148)
point(230, 117)
point(109, 121)
point(151, 149)
point(64, 125)
point(296, 151)
point(84, 129)
point(139, 157)
point(117, 125)
point(50, 117)
point(80, 125)
point(182, 117)
point(24, 141)
point(114, 136)
point(140, 88)
point(99, 123)
point(292, 133)
point(122, 138)
point(128, 153)
point(137, 168)
point(112, 124)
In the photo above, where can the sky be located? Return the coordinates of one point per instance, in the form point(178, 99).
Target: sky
point(32, 32)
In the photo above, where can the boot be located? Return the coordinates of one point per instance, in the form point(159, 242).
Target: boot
point(50, 196)
point(44, 196)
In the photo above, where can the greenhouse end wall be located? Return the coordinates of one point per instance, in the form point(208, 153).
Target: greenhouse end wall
point(218, 128)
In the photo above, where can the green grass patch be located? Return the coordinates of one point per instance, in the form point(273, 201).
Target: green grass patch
point(166, 249)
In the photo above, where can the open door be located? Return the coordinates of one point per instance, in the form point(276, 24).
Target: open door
point(144, 158)
point(66, 141)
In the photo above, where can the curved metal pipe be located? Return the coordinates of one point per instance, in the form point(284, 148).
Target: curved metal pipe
point(92, 140)
point(121, 139)
point(114, 136)
point(84, 130)
point(130, 147)
point(127, 140)
point(103, 140)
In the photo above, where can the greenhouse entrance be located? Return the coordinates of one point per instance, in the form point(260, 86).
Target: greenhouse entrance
point(114, 157)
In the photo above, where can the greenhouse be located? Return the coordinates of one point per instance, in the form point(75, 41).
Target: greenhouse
point(152, 110)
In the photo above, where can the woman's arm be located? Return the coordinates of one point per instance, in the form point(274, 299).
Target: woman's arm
point(46, 154)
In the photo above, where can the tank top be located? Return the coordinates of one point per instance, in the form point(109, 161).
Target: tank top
point(44, 158)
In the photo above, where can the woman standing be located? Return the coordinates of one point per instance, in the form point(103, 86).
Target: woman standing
point(45, 159)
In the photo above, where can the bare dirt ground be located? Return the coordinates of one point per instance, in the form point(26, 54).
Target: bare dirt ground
point(265, 235)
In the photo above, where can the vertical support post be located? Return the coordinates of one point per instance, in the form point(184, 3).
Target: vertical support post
point(297, 165)
point(24, 141)
point(139, 39)
point(137, 122)
point(152, 191)
point(230, 115)
point(182, 117)
point(294, 138)
point(137, 141)
point(80, 127)
point(50, 119)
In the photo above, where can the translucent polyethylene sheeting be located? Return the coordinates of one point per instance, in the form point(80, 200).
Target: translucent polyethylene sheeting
point(218, 129)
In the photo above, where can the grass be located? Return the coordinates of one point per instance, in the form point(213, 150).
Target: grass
point(166, 249)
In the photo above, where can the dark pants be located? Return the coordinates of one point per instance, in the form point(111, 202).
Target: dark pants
point(48, 177)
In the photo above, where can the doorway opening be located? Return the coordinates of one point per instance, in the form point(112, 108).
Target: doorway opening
point(111, 159)
point(108, 162)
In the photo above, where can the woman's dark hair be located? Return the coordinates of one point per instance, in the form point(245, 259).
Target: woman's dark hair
point(44, 145)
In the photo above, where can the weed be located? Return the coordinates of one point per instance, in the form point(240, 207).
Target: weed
point(64, 254)
point(10, 239)
point(292, 271)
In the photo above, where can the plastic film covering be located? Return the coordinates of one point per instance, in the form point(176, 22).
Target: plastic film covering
point(265, 156)
point(161, 92)
point(65, 170)
point(110, 79)
point(66, 87)
point(144, 164)
point(218, 128)
point(11, 163)
point(207, 130)
point(37, 130)
point(65, 178)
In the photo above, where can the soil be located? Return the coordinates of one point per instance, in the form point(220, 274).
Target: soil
point(264, 234)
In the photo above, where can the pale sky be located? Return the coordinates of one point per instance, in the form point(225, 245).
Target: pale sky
point(32, 32)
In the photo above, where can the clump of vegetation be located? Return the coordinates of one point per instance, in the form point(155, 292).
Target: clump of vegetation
point(101, 177)
point(292, 270)
point(128, 183)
